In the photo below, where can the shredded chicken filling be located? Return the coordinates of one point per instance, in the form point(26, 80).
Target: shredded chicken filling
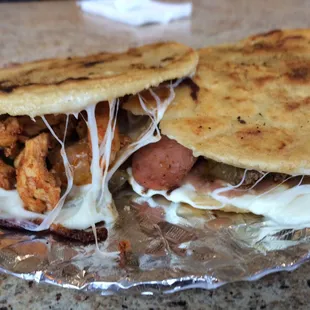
point(31, 159)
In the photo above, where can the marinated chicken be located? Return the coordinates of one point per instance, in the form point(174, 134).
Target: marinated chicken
point(80, 160)
point(36, 186)
point(39, 174)
point(13, 150)
point(7, 176)
point(102, 119)
point(81, 128)
point(79, 153)
point(34, 127)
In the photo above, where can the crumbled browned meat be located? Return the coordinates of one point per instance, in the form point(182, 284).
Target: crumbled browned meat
point(279, 177)
point(232, 175)
point(32, 128)
point(7, 176)
point(118, 180)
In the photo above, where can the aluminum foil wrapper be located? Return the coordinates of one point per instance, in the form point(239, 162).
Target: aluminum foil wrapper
point(155, 247)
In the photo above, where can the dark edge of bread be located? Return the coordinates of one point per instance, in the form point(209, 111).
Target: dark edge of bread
point(84, 236)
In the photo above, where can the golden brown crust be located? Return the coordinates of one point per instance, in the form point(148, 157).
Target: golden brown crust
point(72, 84)
point(251, 107)
point(84, 236)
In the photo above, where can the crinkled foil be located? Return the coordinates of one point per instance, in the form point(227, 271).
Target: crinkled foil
point(162, 248)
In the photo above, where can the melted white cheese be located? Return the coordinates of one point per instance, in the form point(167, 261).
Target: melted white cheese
point(51, 216)
point(11, 206)
point(186, 193)
point(77, 212)
point(282, 205)
point(81, 207)
point(80, 210)
point(285, 206)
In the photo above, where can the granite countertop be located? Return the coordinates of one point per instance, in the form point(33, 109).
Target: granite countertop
point(36, 30)
point(278, 291)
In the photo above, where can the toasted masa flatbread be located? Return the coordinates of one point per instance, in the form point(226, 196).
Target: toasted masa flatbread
point(249, 105)
point(57, 86)
point(70, 85)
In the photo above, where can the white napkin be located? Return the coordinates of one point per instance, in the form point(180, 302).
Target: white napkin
point(137, 12)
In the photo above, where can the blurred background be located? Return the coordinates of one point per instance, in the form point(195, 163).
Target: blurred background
point(39, 29)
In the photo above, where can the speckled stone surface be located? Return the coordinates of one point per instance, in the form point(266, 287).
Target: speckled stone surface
point(39, 30)
point(279, 291)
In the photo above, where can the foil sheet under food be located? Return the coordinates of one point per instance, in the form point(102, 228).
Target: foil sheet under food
point(158, 247)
